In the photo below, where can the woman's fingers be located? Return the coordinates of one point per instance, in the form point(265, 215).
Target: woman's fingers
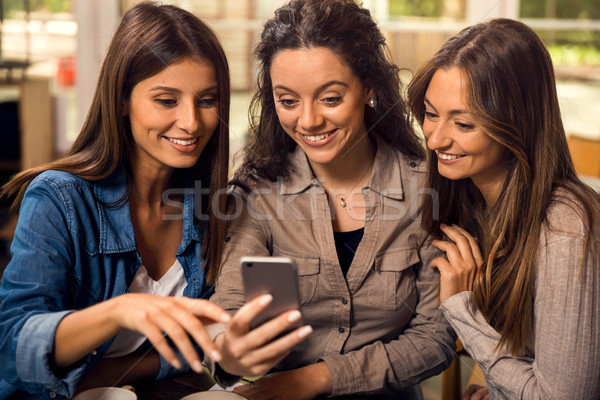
point(475, 250)
point(240, 323)
point(205, 310)
point(441, 264)
point(161, 345)
point(260, 336)
point(181, 318)
point(461, 241)
point(452, 252)
point(197, 331)
point(278, 349)
point(262, 359)
point(272, 328)
point(255, 352)
point(173, 322)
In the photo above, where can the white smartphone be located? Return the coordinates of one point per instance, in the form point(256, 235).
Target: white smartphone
point(276, 276)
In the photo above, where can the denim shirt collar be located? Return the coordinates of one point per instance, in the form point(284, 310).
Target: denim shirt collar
point(116, 230)
point(386, 178)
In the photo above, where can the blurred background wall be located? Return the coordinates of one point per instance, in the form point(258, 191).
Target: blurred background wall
point(64, 41)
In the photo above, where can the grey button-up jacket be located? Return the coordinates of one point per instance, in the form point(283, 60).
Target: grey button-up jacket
point(379, 329)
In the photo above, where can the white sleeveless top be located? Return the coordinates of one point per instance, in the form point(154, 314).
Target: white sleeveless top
point(171, 283)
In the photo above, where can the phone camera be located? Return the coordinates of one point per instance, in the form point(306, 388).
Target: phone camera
point(250, 265)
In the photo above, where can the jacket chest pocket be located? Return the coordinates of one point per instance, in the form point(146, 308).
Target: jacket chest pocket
point(392, 280)
point(308, 268)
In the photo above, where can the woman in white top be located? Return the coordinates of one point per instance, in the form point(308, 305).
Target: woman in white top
point(126, 220)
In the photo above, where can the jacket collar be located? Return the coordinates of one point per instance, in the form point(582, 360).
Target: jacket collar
point(386, 178)
point(116, 230)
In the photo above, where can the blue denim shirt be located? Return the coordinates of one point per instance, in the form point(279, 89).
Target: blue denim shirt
point(74, 246)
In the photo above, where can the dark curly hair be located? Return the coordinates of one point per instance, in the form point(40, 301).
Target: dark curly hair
point(349, 31)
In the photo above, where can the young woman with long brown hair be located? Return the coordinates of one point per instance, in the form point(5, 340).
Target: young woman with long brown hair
point(520, 282)
point(119, 241)
point(332, 178)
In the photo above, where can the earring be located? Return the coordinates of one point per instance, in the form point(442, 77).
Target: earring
point(372, 102)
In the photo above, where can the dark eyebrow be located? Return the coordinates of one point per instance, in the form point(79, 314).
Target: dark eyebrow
point(319, 89)
point(453, 112)
point(175, 90)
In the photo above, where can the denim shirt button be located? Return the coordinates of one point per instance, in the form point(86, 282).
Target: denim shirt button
point(52, 395)
point(94, 353)
point(193, 280)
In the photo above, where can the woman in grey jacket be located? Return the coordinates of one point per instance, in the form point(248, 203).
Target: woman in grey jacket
point(520, 282)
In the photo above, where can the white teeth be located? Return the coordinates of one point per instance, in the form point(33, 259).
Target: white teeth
point(316, 138)
point(184, 142)
point(449, 156)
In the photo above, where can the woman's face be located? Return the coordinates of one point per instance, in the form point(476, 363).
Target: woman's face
point(174, 113)
point(463, 149)
point(319, 101)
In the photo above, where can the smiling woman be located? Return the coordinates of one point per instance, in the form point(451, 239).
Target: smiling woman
point(520, 281)
point(332, 178)
point(173, 114)
point(114, 247)
point(463, 149)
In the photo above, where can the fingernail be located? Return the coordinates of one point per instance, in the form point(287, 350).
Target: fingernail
point(294, 316)
point(305, 331)
point(266, 299)
point(216, 356)
point(225, 318)
point(197, 366)
point(176, 363)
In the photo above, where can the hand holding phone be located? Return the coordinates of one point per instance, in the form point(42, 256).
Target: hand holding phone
point(256, 338)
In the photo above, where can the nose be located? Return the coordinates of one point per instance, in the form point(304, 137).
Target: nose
point(187, 116)
point(310, 117)
point(438, 137)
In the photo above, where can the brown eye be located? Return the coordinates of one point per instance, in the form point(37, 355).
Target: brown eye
point(167, 103)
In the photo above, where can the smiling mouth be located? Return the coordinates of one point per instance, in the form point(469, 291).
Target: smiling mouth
point(316, 138)
point(187, 142)
point(448, 157)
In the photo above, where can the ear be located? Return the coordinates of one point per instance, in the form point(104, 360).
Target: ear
point(369, 91)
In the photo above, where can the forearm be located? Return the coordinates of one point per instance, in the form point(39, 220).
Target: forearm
point(81, 332)
point(553, 373)
point(381, 368)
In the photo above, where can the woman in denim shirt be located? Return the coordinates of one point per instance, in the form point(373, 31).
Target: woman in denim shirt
point(109, 234)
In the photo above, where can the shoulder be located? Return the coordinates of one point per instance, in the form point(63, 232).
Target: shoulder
point(250, 184)
point(411, 164)
point(58, 179)
point(57, 185)
point(566, 216)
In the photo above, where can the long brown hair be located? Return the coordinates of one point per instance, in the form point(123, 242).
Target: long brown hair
point(349, 31)
point(149, 38)
point(512, 96)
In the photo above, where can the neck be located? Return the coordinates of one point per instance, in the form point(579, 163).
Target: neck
point(149, 184)
point(348, 168)
point(490, 190)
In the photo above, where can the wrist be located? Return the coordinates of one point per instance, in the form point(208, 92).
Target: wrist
point(320, 375)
